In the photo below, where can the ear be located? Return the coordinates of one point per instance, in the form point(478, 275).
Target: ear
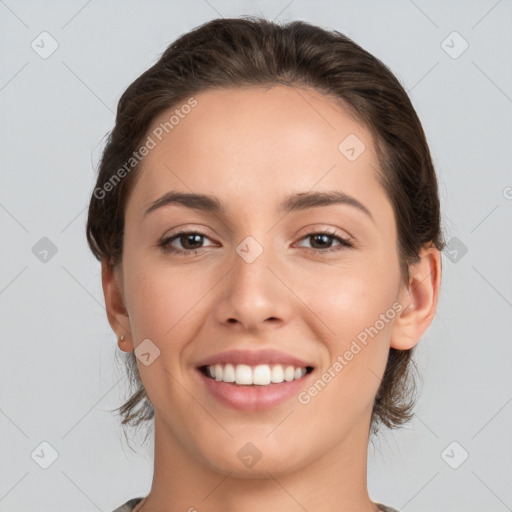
point(419, 300)
point(111, 279)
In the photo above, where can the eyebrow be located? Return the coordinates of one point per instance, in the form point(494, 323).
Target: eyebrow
point(296, 202)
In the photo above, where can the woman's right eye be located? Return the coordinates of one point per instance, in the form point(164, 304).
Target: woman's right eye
point(186, 239)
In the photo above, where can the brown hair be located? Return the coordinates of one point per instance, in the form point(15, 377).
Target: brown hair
point(250, 51)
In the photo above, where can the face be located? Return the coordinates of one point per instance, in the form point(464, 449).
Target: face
point(269, 279)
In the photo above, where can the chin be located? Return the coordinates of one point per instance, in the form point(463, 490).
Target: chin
point(254, 459)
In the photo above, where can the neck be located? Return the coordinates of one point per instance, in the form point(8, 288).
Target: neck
point(335, 481)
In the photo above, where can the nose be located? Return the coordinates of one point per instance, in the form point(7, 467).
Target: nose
point(254, 294)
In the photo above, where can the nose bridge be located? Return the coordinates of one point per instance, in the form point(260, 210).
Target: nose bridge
point(252, 292)
point(251, 273)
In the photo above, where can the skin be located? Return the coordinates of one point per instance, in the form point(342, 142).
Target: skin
point(251, 148)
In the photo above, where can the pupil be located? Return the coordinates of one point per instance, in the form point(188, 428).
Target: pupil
point(325, 238)
point(189, 238)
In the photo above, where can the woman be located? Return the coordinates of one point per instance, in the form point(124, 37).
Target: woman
point(267, 219)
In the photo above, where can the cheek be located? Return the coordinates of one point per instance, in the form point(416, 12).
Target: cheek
point(351, 298)
point(162, 299)
point(354, 306)
point(164, 304)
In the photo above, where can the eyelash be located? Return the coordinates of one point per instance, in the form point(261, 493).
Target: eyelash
point(166, 247)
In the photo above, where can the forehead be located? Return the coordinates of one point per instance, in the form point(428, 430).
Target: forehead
point(254, 145)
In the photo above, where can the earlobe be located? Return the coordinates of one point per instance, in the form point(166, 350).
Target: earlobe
point(117, 314)
point(419, 300)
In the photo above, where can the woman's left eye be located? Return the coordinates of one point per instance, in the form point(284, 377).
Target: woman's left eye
point(190, 239)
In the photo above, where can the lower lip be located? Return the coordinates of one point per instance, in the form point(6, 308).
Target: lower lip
point(254, 398)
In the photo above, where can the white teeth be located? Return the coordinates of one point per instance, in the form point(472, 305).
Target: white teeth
point(289, 373)
point(229, 373)
point(243, 374)
point(261, 375)
point(298, 373)
point(277, 374)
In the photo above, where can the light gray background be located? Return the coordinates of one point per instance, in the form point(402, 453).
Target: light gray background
point(58, 376)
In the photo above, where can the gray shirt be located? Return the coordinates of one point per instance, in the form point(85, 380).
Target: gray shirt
point(129, 506)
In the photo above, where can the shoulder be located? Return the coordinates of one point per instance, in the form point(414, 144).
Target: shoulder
point(128, 506)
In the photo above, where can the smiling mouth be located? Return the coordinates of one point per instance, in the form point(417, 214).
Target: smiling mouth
point(259, 375)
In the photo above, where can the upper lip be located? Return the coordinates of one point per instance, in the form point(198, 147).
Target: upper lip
point(254, 358)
